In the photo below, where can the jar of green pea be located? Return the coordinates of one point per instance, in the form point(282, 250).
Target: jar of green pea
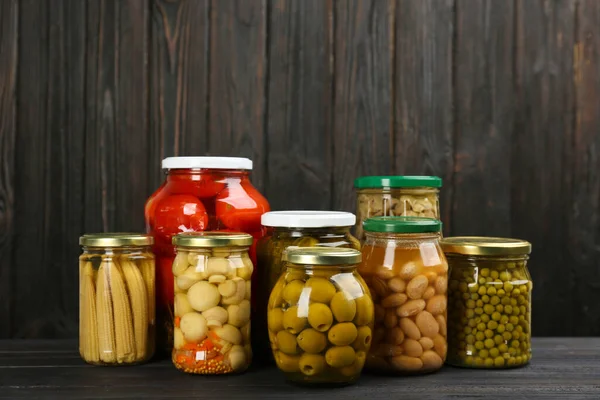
point(489, 302)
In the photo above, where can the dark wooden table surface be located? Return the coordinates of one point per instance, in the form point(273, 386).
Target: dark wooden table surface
point(562, 368)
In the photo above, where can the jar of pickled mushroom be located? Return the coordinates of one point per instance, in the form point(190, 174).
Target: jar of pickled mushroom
point(199, 194)
point(407, 274)
point(212, 273)
point(409, 196)
point(116, 299)
point(320, 316)
point(294, 228)
point(489, 323)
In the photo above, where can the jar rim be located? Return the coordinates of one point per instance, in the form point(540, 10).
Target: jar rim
point(485, 246)
point(321, 256)
point(398, 181)
point(115, 239)
point(212, 239)
point(207, 163)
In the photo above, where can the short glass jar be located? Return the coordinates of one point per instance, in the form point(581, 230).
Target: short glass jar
point(320, 317)
point(212, 273)
point(407, 273)
point(489, 323)
point(116, 299)
point(409, 196)
point(294, 228)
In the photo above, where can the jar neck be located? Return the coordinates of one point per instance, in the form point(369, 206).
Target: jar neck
point(310, 267)
point(473, 258)
point(403, 236)
point(122, 249)
point(282, 232)
point(195, 174)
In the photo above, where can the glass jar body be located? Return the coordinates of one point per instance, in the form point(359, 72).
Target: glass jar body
point(269, 253)
point(489, 322)
point(197, 200)
point(386, 201)
point(212, 310)
point(408, 278)
point(116, 305)
point(320, 323)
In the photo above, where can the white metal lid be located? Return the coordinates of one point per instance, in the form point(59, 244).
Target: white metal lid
point(207, 162)
point(307, 219)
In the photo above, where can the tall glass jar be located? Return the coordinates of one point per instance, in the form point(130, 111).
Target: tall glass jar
point(320, 316)
point(294, 228)
point(199, 194)
point(489, 322)
point(212, 273)
point(407, 274)
point(116, 299)
point(409, 196)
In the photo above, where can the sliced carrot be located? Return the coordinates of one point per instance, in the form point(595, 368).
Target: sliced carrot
point(177, 321)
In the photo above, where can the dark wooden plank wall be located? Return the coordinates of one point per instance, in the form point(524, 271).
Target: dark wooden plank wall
point(500, 98)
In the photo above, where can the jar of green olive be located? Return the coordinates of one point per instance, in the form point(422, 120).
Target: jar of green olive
point(304, 228)
point(489, 302)
point(407, 196)
point(320, 316)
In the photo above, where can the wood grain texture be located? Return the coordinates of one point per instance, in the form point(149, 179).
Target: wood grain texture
point(362, 132)
point(300, 104)
point(179, 81)
point(8, 102)
point(562, 368)
point(484, 106)
point(238, 78)
point(543, 136)
point(117, 153)
point(423, 87)
point(583, 209)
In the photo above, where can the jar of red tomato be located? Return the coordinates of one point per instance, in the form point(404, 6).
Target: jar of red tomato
point(199, 194)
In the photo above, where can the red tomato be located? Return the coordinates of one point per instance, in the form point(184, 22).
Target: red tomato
point(179, 213)
point(240, 207)
point(202, 186)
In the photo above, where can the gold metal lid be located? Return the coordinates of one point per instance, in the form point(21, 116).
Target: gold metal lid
point(322, 256)
point(485, 246)
point(118, 239)
point(212, 239)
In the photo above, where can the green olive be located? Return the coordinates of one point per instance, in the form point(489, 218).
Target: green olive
point(321, 290)
point(340, 356)
point(292, 291)
point(356, 367)
point(312, 341)
point(320, 317)
point(286, 342)
point(364, 310)
point(311, 364)
point(275, 319)
point(292, 322)
point(363, 339)
point(343, 334)
point(294, 274)
point(287, 363)
point(343, 308)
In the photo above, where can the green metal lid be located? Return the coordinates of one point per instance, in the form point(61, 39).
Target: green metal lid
point(402, 225)
point(365, 182)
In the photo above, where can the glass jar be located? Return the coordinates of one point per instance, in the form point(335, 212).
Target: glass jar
point(116, 299)
point(320, 316)
point(489, 322)
point(212, 273)
point(409, 196)
point(294, 228)
point(407, 273)
point(199, 194)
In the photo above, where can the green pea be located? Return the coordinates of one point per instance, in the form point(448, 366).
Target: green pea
point(494, 274)
point(507, 286)
point(514, 344)
point(516, 335)
point(512, 361)
point(492, 325)
point(498, 362)
point(488, 308)
point(505, 301)
point(510, 327)
point(489, 362)
point(495, 300)
point(483, 353)
point(469, 313)
point(516, 293)
point(466, 296)
point(479, 303)
point(470, 304)
point(481, 281)
point(504, 319)
point(496, 316)
point(482, 290)
point(500, 308)
point(472, 322)
point(481, 326)
point(505, 276)
point(485, 272)
point(508, 309)
point(501, 328)
point(479, 311)
point(494, 352)
point(479, 345)
point(503, 348)
point(480, 336)
point(513, 302)
point(523, 310)
point(485, 318)
point(474, 296)
point(498, 339)
point(470, 339)
point(485, 298)
point(489, 333)
point(491, 290)
point(501, 292)
point(489, 343)
point(473, 288)
point(469, 360)
point(479, 362)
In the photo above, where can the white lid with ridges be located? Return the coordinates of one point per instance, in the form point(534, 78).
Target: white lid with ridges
point(207, 162)
point(308, 219)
